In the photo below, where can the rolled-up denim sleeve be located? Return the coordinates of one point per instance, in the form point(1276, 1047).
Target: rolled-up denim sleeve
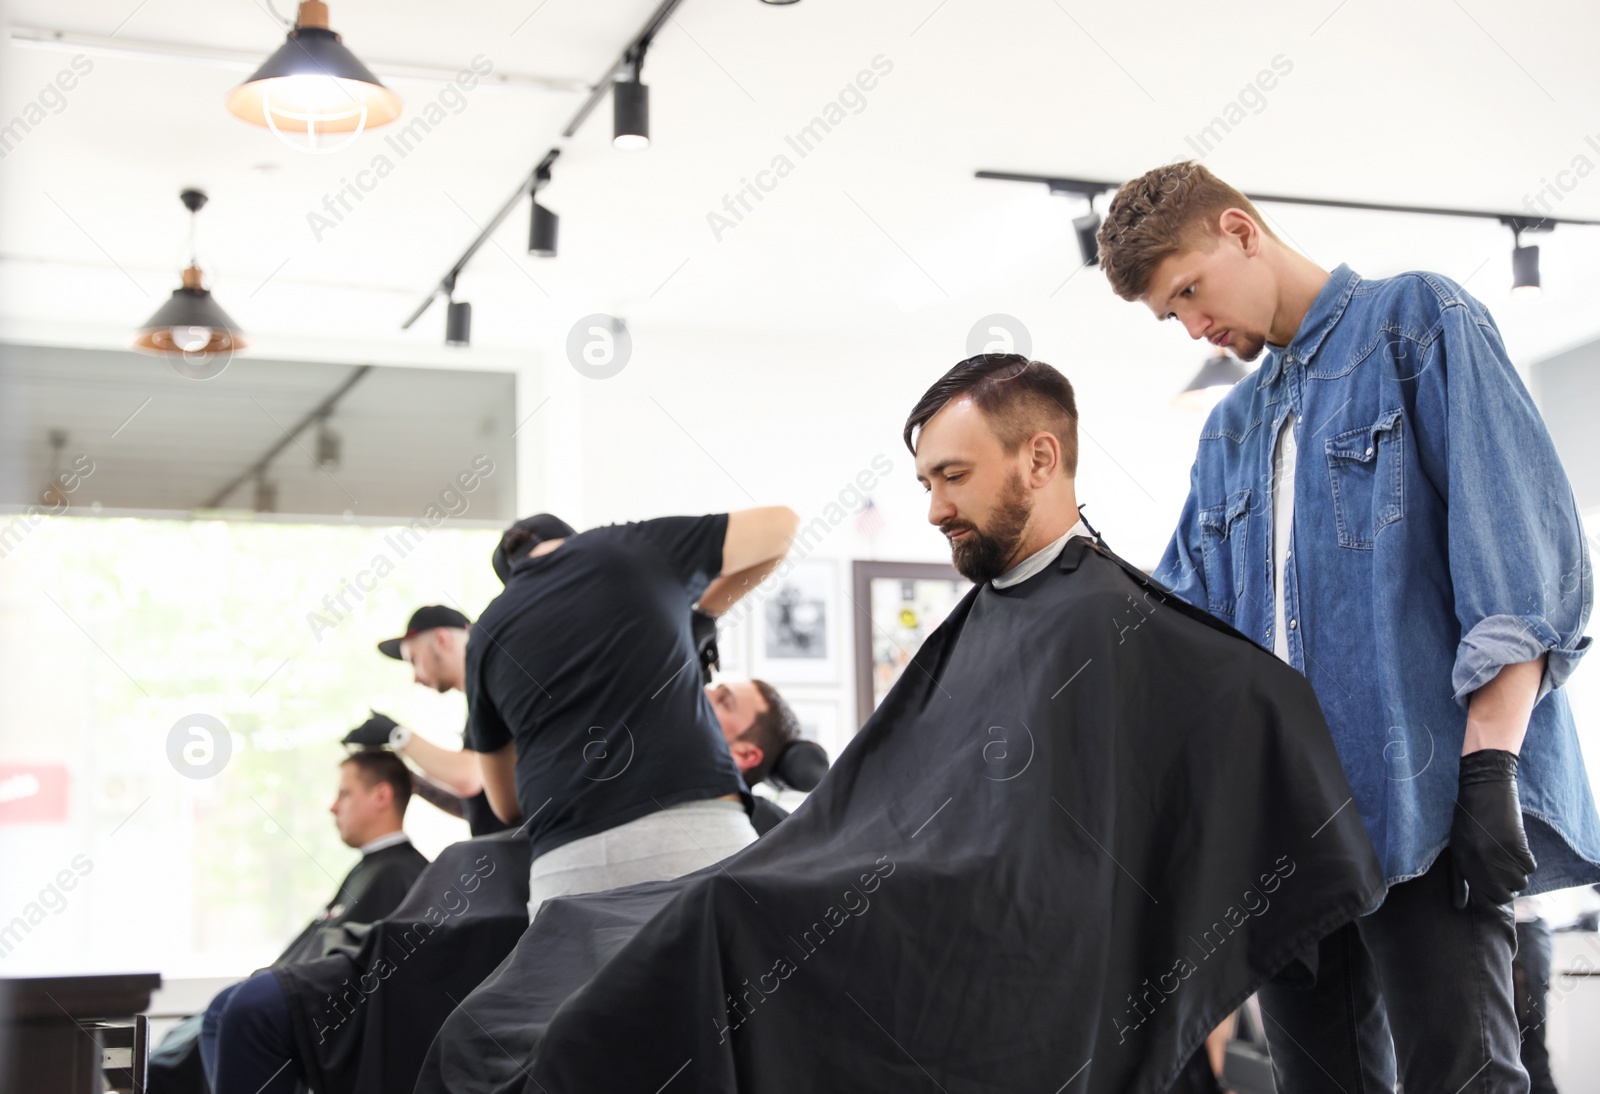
point(1519, 565)
point(1182, 567)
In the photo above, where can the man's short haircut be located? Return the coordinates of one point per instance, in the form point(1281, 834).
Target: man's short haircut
point(1019, 397)
point(379, 765)
point(1169, 210)
point(773, 731)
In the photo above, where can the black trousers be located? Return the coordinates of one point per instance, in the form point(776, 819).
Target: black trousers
point(1530, 977)
point(1417, 991)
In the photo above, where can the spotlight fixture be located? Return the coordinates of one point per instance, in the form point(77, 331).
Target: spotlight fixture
point(1525, 270)
point(190, 324)
point(780, 3)
point(1524, 260)
point(329, 446)
point(314, 85)
point(266, 494)
point(458, 324)
point(543, 226)
point(542, 232)
point(457, 319)
point(1086, 228)
point(1220, 372)
point(630, 109)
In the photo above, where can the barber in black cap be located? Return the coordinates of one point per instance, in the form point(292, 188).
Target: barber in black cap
point(435, 646)
point(585, 705)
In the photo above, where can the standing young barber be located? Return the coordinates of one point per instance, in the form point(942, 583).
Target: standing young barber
point(585, 699)
point(1382, 506)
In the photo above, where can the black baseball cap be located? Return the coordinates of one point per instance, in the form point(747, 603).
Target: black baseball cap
point(423, 619)
point(540, 526)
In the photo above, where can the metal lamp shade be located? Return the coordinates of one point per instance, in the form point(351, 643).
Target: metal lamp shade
point(1220, 372)
point(314, 84)
point(189, 323)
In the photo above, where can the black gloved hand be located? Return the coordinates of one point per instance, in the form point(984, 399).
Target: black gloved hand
point(1488, 849)
point(703, 627)
point(373, 733)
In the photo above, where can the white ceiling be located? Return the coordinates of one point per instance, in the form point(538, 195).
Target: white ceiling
point(1490, 103)
point(871, 260)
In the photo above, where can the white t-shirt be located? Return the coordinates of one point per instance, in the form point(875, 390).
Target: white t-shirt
point(384, 841)
point(1041, 558)
point(1284, 453)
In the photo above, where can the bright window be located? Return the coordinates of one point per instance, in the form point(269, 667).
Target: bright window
point(112, 631)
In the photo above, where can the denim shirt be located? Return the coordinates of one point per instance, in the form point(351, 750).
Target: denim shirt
point(1435, 540)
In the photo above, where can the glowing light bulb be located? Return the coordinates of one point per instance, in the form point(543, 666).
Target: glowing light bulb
point(316, 106)
point(190, 339)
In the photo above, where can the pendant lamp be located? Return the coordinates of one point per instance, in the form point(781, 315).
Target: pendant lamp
point(191, 325)
point(315, 86)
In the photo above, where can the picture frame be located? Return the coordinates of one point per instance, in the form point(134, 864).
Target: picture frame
point(795, 629)
point(896, 606)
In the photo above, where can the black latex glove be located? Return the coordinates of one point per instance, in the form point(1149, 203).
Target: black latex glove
point(373, 733)
point(704, 629)
point(1488, 850)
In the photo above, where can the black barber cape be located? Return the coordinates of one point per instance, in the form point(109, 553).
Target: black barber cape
point(1087, 822)
point(372, 889)
point(363, 1015)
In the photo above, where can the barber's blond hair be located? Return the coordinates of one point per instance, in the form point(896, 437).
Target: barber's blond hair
point(1164, 212)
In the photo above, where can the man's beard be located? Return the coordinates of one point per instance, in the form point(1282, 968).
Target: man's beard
point(982, 555)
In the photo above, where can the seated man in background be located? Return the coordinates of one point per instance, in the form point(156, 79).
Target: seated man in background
point(592, 733)
point(1084, 823)
point(368, 810)
point(762, 732)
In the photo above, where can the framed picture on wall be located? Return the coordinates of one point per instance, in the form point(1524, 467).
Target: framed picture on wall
point(897, 605)
point(796, 636)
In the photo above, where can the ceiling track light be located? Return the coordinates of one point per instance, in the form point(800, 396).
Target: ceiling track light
point(543, 225)
point(315, 86)
point(329, 446)
point(630, 109)
point(1524, 260)
point(457, 319)
point(191, 325)
point(266, 494)
point(626, 66)
point(1087, 229)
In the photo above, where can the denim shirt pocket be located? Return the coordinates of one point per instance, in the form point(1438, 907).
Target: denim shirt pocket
point(1223, 538)
point(1366, 469)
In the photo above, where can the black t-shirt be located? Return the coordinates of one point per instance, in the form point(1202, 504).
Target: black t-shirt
point(586, 662)
point(766, 814)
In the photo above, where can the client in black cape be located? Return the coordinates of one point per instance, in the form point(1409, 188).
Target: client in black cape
point(363, 1015)
point(1087, 822)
